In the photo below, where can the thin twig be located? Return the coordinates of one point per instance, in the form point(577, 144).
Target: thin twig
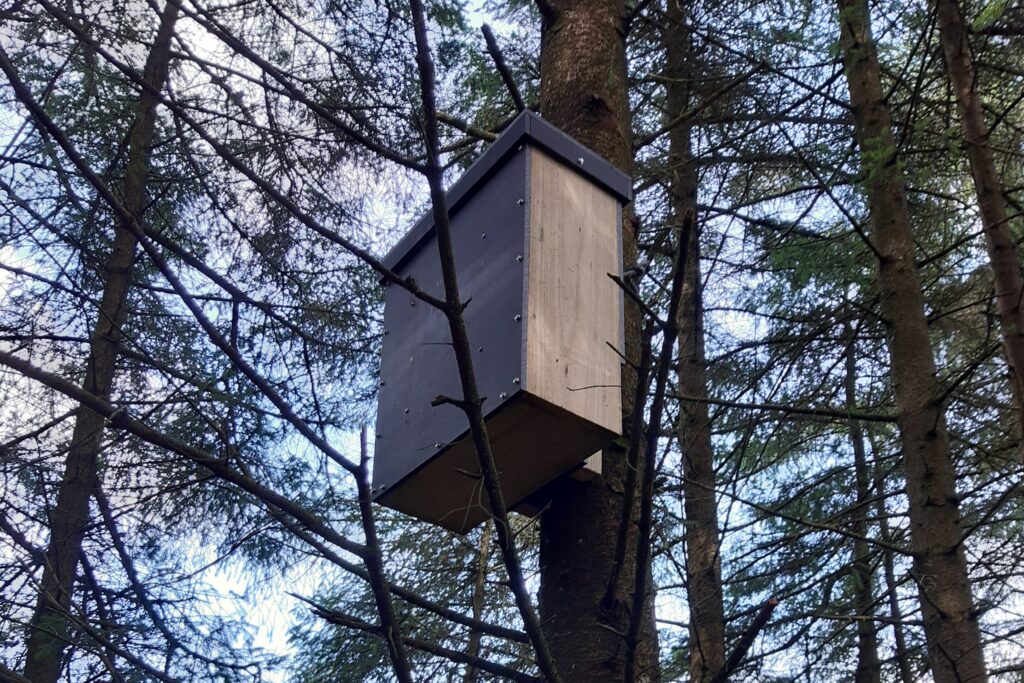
point(745, 641)
point(646, 462)
point(499, 63)
point(473, 405)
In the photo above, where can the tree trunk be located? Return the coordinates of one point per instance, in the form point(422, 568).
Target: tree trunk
point(940, 567)
point(703, 559)
point(479, 594)
point(584, 92)
point(49, 625)
point(868, 666)
point(1002, 248)
point(899, 637)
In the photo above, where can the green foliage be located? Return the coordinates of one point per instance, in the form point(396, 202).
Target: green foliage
point(990, 12)
point(787, 280)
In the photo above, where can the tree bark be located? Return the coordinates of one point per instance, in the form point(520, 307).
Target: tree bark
point(999, 241)
point(584, 92)
point(869, 667)
point(940, 567)
point(48, 633)
point(479, 594)
point(899, 638)
point(703, 551)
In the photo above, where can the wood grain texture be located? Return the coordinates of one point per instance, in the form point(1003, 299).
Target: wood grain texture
point(574, 310)
point(533, 444)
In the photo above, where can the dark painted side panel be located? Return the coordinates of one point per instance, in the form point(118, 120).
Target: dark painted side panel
point(418, 364)
point(527, 128)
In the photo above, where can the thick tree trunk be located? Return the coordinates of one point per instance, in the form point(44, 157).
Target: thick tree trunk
point(49, 625)
point(869, 668)
point(1002, 248)
point(940, 567)
point(703, 559)
point(584, 92)
point(703, 547)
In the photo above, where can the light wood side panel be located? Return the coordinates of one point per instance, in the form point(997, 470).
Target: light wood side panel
point(574, 310)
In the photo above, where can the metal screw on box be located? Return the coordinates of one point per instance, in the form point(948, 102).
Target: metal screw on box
point(517, 317)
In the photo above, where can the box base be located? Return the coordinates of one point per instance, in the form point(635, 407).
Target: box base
point(533, 441)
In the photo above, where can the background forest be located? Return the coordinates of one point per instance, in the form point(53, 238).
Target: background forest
point(820, 478)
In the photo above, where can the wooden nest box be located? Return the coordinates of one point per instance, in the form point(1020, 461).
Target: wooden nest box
point(536, 225)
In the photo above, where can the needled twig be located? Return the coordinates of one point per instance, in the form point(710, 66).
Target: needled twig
point(466, 127)
point(341, 619)
point(225, 153)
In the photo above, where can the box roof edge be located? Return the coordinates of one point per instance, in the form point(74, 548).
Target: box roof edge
point(528, 127)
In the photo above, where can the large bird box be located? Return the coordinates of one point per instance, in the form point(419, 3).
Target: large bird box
point(536, 226)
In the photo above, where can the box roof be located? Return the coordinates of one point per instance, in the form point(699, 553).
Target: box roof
point(526, 128)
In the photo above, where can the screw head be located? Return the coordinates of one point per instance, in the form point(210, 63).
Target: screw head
point(406, 411)
point(579, 161)
point(483, 235)
point(480, 350)
point(503, 394)
point(519, 259)
point(437, 445)
point(520, 201)
point(515, 380)
point(517, 317)
point(386, 332)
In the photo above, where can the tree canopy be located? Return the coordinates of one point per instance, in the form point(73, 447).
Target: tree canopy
point(820, 473)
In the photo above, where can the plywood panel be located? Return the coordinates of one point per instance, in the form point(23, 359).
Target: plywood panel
point(417, 361)
point(533, 444)
point(574, 310)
